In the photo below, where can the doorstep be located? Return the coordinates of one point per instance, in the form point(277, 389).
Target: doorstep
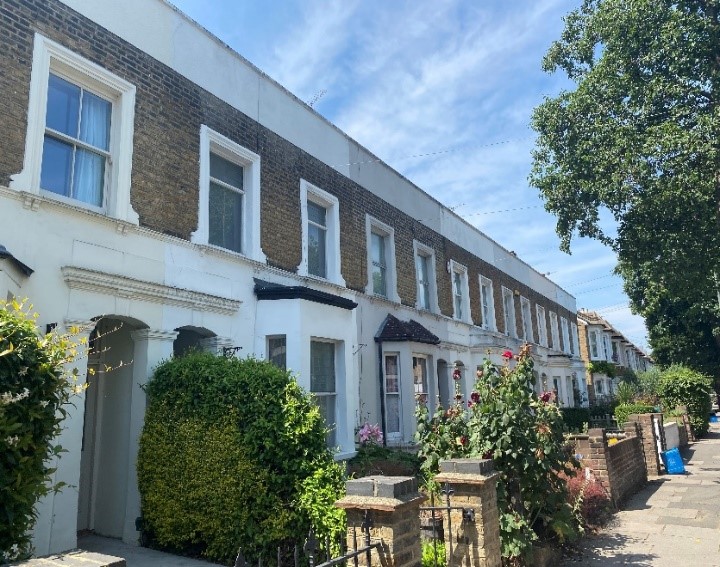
point(77, 558)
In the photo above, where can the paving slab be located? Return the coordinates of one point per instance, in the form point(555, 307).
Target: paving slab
point(137, 556)
point(673, 522)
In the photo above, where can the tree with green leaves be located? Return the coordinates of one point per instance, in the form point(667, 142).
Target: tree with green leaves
point(637, 142)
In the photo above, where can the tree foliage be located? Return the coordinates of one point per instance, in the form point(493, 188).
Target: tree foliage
point(637, 142)
point(681, 386)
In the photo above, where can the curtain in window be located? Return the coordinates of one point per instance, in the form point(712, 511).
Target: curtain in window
point(89, 174)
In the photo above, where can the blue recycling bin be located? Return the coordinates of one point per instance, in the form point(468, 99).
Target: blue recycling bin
point(673, 461)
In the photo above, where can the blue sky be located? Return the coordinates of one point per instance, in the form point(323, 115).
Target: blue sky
point(441, 90)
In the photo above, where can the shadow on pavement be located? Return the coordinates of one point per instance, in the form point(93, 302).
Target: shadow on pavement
point(608, 549)
point(639, 501)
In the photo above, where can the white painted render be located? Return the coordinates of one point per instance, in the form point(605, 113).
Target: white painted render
point(153, 284)
point(162, 31)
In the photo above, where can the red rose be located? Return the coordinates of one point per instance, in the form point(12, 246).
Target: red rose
point(507, 354)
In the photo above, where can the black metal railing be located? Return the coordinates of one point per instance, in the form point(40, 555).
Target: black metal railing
point(319, 553)
point(440, 512)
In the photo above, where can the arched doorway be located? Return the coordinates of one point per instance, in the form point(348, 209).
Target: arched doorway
point(104, 459)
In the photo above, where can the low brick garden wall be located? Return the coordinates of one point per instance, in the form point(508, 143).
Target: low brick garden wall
point(620, 467)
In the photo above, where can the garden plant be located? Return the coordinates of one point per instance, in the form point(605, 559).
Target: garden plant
point(522, 433)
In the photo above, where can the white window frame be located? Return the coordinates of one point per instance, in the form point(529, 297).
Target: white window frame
point(215, 143)
point(374, 226)
point(393, 435)
point(565, 334)
point(509, 318)
point(420, 249)
point(555, 333)
point(464, 295)
point(542, 325)
point(51, 57)
point(488, 322)
point(526, 315)
point(309, 192)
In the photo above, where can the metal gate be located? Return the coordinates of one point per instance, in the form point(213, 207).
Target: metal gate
point(318, 553)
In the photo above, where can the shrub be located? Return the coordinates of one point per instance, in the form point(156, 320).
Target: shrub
point(622, 411)
point(233, 454)
point(375, 459)
point(433, 554)
point(680, 385)
point(589, 500)
point(575, 418)
point(34, 393)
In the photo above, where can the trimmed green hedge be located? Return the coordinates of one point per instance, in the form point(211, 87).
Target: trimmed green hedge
point(233, 454)
point(622, 411)
point(575, 418)
point(682, 386)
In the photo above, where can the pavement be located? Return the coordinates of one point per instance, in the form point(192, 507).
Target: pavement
point(673, 522)
point(137, 556)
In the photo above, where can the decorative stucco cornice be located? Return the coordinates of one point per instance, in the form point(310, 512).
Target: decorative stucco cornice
point(141, 290)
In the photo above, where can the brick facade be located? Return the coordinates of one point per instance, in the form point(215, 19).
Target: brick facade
point(169, 111)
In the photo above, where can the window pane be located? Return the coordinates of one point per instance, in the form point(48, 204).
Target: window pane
point(226, 171)
point(225, 218)
point(63, 106)
point(56, 166)
point(392, 413)
point(326, 403)
point(392, 383)
point(95, 121)
point(420, 375)
point(316, 251)
point(322, 367)
point(89, 177)
point(378, 248)
point(421, 265)
point(316, 213)
point(277, 349)
point(379, 285)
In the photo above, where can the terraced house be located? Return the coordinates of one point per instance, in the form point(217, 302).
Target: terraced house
point(163, 193)
point(608, 354)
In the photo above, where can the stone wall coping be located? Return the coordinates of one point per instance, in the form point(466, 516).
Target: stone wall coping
point(464, 478)
point(467, 466)
point(379, 503)
point(382, 486)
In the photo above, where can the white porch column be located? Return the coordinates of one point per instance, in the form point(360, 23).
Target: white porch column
point(56, 526)
point(151, 347)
